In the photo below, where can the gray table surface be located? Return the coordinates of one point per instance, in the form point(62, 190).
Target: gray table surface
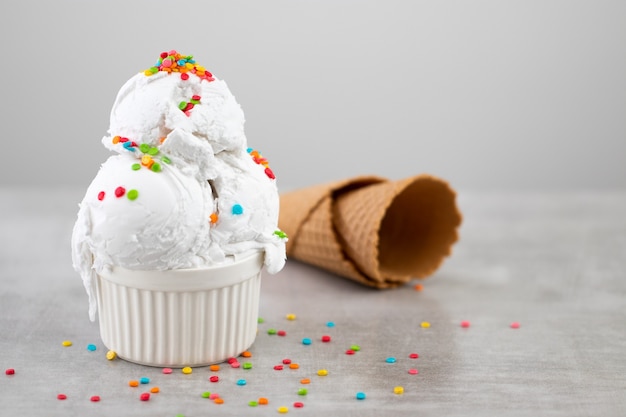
point(555, 263)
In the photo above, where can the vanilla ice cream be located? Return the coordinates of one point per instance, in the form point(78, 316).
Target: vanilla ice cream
point(183, 189)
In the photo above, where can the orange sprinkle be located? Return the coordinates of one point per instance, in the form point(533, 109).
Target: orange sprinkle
point(218, 401)
point(263, 401)
point(116, 139)
point(155, 390)
point(133, 383)
point(418, 287)
point(162, 139)
point(294, 366)
point(305, 381)
point(213, 218)
point(147, 161)
point(246, 354)
point(214, 368)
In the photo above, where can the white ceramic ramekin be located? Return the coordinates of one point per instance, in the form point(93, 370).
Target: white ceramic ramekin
point(185, 317)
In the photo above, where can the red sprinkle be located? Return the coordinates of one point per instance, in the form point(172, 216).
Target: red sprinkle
point(270, 173)
point(414, 356)
point(281, 333)
point(515, 325)
point(286, 361)
point(350, 352)
point(298, 404)
point(325, 338)
point(184, 76)
point(120, 191)
point(95, 398)
point(101, 195)
point(196, 97)
point(278, 368)
point(164, 54)
point(10, 371)
point(465, 323)
point(231, 360)
point(61, 397)
point(214, 378)
point(122, 140)
point(145, 396)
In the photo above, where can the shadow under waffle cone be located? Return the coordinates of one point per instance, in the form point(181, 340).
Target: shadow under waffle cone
point(380, 233)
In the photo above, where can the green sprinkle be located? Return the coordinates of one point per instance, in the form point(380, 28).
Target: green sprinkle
point(153, 150)
point(271, 331)
point(206, 394)
point(182, 105)
point(247, 365)
point(302, 391)
point(154, 70)
point(156, 167)
point(355, 348)
point(280, 234)
point(136, 167)
point(253, 403)
point(166, 159)
point(132, 194)
point(192, 101)
point(144, 147)
point(260, 320)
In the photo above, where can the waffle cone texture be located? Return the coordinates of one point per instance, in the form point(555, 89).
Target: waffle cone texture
point(375, 231)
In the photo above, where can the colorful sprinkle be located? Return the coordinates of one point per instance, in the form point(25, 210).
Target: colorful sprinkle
point(414, 355)
point(360, 395)
point(235, 364)
point(167, 371)
point(283, 410)
point(350, 352)
point(186, 370)
point(278, 367)
point(136, 167)
point(425, 324)
point(465, 323)
point(214, 396)
point(247, 365)
point(133, 383)
point(120, 191)
point(213, 218)
point(61, 397)
point(214, 368)
point(214, 378)
point(390, 360)
point(330, 324)
point(237, 209)
point(263, 401)
point(144, 147)
point(355, 348)
point(101, 195)
point(246, 354)
point(286, 361)
point(10, 371)
point(66, 343)
point(294, 366)
point(413, 371)
point(95, 398)
point(91, 347)
point(144, 396)
point(281, 333)
point(155, 390)
point(206, 394)
point(305, 381)
point(260, 320)
point(418, 287)
point(325, 338)
point(398, 390)
point(144, 380)
point(280, 234)
point(241, 382)
point(271, 331)
point(290, 316)
point(270, 173)
point(302, 391)
point(253, 403)
point(166, 160)
point(322, 372)
point(306, 341)
point(515, 325)
point(298, 404)
point(132, 194)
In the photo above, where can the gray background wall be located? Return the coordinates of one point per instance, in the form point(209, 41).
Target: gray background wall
point(486, 94)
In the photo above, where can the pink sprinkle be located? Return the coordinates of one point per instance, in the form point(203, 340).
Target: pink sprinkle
point(145, 396)
point(187, 113)
point(167, 370)
point(172, 52)
point(413, 371)
point(214, 396)
point(414, 356)
point(515, 325)
point(235, 364)
point(465, 323)
point(167, 63)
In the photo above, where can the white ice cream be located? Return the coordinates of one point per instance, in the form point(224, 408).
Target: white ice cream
point(184, 191)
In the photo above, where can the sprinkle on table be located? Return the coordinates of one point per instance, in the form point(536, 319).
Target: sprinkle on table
point(322, 372)
point(61, 397)
point(414, 355)
point(289, 316)
point(95, 398)
point(186, 370)
point(360, 395)
point(91, 347)
point(515, 325)
point(465, 323)
point(111, 355)
point(167, 371)
point(10, 371)
point(425, 324)
point(398, 390)
point(66, 343)
point(306, 341)
point(413, 371)
point(390, 360)
point(133, 383)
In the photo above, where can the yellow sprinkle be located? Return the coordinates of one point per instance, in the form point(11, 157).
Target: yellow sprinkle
point(398, 390)
point(147, 73)
point(187, 370)
point(425, 324)
point(155, 390)
point(111, 355)
point(146, 160)
point(66, 343)
point(291, 316)
point(283, 409)
point(322, 372)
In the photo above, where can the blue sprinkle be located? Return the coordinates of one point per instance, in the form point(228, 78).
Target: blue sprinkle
point(390, 360)
point(144, 380)
point(181, 62)
point(306, 341)
point(241, 382)
point(237, 209)
point(330, 324)
point(249, 150)
point(91, 347)
point(191, 61)
point(360, 395)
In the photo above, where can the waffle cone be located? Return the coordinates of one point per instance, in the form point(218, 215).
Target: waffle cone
point(380, 233)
